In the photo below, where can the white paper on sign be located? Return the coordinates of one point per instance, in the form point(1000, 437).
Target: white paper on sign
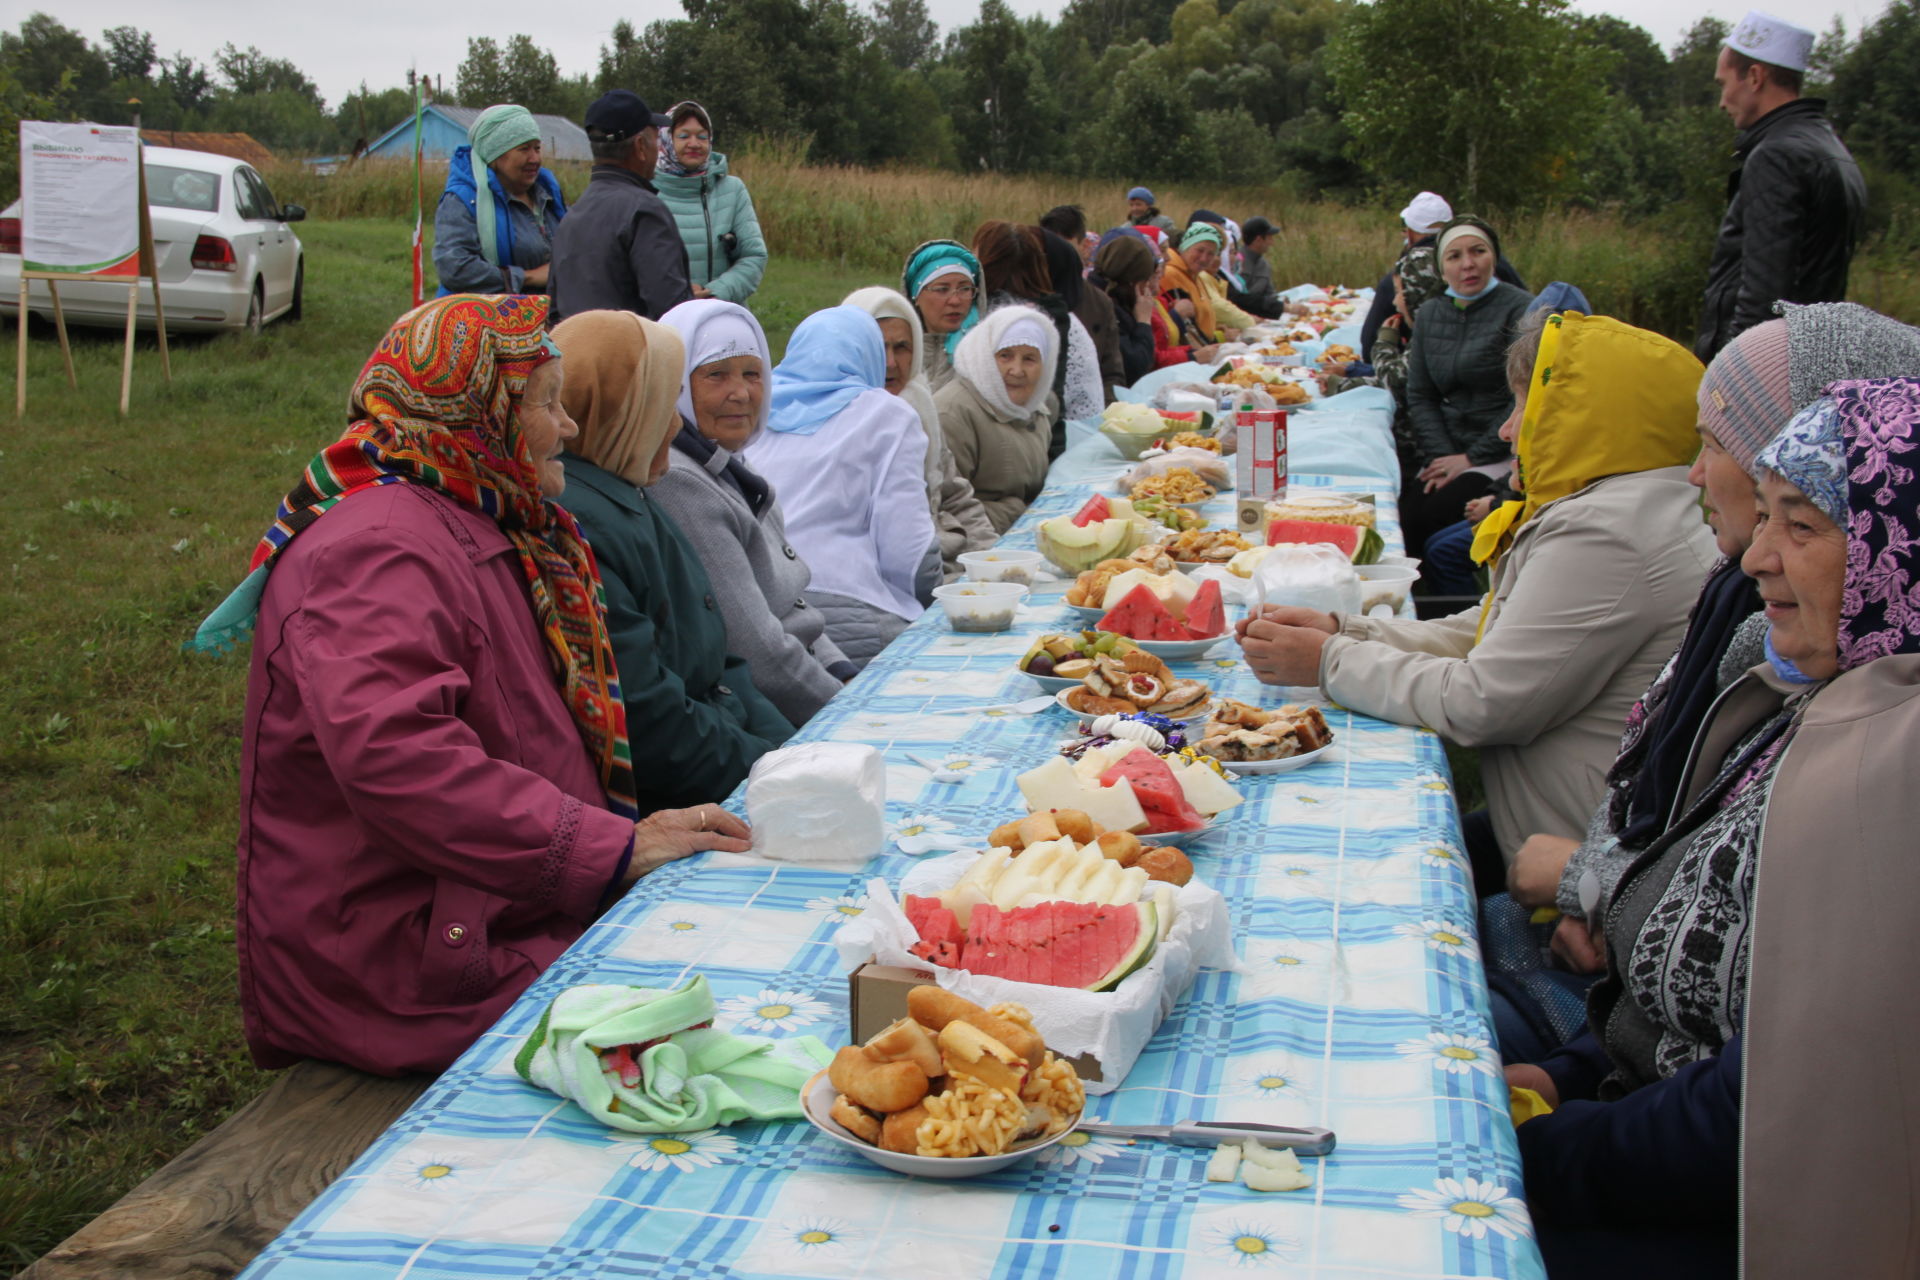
point(80, 199)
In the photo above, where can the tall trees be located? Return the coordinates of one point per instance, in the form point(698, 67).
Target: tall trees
point(1491, 99)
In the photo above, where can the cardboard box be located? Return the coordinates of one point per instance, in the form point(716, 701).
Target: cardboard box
point(1260, 453)
point(877, 998)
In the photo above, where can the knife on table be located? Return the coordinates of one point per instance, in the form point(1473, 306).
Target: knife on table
point(1208, 1133)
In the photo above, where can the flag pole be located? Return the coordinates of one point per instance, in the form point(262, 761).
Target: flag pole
point(419, 196)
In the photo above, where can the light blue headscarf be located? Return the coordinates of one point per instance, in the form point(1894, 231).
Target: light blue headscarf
point(498, 130)
point(1811, 455)
point(833, 357)
point(921, 264)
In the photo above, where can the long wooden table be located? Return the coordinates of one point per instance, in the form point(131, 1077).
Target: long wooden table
point(1359, 1004)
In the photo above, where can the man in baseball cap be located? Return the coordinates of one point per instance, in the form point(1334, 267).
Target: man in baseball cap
point(619, 249)
point(1424, 215)
point(1796, 202)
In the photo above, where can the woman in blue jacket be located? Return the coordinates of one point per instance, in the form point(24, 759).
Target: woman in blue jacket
point(493, 230)
point(726, 254)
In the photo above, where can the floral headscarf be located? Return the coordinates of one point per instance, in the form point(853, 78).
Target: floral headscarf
point(437, 405)
point(1880, 606)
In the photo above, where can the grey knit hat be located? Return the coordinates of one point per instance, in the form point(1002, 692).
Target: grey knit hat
point(1830, 342)
point(1773, 370)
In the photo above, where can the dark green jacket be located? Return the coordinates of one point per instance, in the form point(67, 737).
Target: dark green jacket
point(694, 719)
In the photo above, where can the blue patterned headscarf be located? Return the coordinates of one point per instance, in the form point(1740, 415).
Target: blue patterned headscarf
point(833, 357)
point(1811, 455)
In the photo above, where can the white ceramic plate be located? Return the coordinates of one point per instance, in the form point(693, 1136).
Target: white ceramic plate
point(816, 1100)
point(1180, 650)
point(1086, 721)
point(1052, 684)
point(1286, 764)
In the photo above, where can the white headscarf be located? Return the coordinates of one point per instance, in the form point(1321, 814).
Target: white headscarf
point(715, 330)
point(973, 360)
point(887, 304)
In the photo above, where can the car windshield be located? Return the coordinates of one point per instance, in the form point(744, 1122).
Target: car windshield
point(170, 188)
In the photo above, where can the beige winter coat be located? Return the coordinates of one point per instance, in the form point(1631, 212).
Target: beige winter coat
point(1830, 1148)
point(958, 518)
point(1586, 606)
point(1005, 461)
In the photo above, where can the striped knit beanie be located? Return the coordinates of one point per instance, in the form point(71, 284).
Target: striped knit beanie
point(1747, 393)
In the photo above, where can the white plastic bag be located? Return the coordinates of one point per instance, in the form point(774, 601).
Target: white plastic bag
point(818, 803)
point(1316, 575)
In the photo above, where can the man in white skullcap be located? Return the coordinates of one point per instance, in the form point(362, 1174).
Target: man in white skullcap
point(1424, 215)
point(1796, 203)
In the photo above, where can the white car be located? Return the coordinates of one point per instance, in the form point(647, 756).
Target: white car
point(227, 258)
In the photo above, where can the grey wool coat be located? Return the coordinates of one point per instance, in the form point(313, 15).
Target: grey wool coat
point(760, 582)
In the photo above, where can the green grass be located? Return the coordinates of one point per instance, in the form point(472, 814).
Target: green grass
point(120, 1037)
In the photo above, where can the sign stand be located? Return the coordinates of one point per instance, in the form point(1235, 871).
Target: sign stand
point(147, 271)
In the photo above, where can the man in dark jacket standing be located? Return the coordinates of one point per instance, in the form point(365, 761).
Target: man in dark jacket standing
point(618, 250)
point(1796, 203)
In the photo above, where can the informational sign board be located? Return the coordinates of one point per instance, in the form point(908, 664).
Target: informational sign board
point(80, 197)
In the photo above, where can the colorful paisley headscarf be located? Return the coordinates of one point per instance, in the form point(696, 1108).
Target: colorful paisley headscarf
point(436, 405)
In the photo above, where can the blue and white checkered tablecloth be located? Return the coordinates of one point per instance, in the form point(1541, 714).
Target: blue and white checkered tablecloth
point(1361, 1006)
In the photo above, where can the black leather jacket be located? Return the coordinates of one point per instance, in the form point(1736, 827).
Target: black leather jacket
point(1796, 207)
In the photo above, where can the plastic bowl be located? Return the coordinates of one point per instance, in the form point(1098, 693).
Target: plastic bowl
point(1387, 584)
point(1131, 444)
point(980, 606)
point(1002, 566)
point(816, 1099)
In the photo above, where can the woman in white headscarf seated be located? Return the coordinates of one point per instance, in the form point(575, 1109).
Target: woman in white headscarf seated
point(997, 411)
point(849, 460)
point(732, 518)
point(957, 514)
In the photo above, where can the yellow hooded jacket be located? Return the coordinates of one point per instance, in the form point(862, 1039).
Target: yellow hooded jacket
point(1605, 399)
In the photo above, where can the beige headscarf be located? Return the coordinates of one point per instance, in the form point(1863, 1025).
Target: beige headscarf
point(622, 378)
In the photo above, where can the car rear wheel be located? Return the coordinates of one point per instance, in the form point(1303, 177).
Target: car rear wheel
point(256, 309)
point(299, 290)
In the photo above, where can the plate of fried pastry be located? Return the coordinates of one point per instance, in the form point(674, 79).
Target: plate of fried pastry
point(1250, 740)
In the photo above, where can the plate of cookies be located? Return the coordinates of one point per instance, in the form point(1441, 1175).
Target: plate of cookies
point(1249, 740)
point(1124, 683)
point(952, 1090)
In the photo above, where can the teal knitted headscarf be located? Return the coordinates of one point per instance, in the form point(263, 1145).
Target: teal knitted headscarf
point(499, 129)
point(1200, 232)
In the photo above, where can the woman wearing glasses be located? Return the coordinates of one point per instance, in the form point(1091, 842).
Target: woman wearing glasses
point(943, 279)
point(726, 254)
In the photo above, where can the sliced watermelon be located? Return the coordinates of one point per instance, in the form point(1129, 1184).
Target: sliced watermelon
point(1140, 615)
point(1135, 953)
point(1347, 537)
point(1206, 615)
point(1062, 944)
point(1158, 791)
point(1096, 509)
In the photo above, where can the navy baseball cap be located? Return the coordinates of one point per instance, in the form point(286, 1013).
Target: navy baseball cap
point(621, 113)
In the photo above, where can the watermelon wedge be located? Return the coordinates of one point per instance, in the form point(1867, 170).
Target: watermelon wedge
point(1096, 509)
point(1141, 616)
point(1360, 544)
point(1160, 795)
point(1059, 944)
point(1206, 615)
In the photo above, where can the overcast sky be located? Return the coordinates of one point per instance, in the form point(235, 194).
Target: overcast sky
point(376, 41)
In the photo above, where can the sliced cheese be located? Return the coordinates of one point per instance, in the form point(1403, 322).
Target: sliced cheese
point(1205, 790)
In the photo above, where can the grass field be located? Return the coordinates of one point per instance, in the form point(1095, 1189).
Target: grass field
point(119, 1033)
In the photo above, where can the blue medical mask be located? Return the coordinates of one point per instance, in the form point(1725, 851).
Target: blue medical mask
point(1492, 284)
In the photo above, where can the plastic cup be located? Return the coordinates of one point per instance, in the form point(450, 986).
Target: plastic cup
point(980, 606)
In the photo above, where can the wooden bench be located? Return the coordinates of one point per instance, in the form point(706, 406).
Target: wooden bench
point(223, 1200)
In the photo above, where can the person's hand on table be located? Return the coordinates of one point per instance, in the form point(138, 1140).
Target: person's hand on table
point(1285, 653)
point(1286, 615)
point(1203, 355)
point(1524, 1075)
point(1534, 877)
point(1477, 510)
point(672, 834)
point(1334, 369)
point(1441, 471)
point(1580, 945)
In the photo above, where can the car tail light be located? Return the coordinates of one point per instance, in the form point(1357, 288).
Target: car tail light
point(9, 235)
point(211, 253)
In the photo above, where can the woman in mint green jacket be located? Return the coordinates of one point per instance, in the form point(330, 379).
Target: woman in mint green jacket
point(726, 254)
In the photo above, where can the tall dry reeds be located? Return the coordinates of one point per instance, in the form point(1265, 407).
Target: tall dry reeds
point(1648, 273)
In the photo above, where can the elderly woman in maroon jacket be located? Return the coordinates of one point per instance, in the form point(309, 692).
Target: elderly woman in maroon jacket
point(436, 790)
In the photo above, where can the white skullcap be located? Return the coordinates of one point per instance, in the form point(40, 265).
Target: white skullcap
point(1425, 212)
point(1765, 38)
point(1027, 331)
